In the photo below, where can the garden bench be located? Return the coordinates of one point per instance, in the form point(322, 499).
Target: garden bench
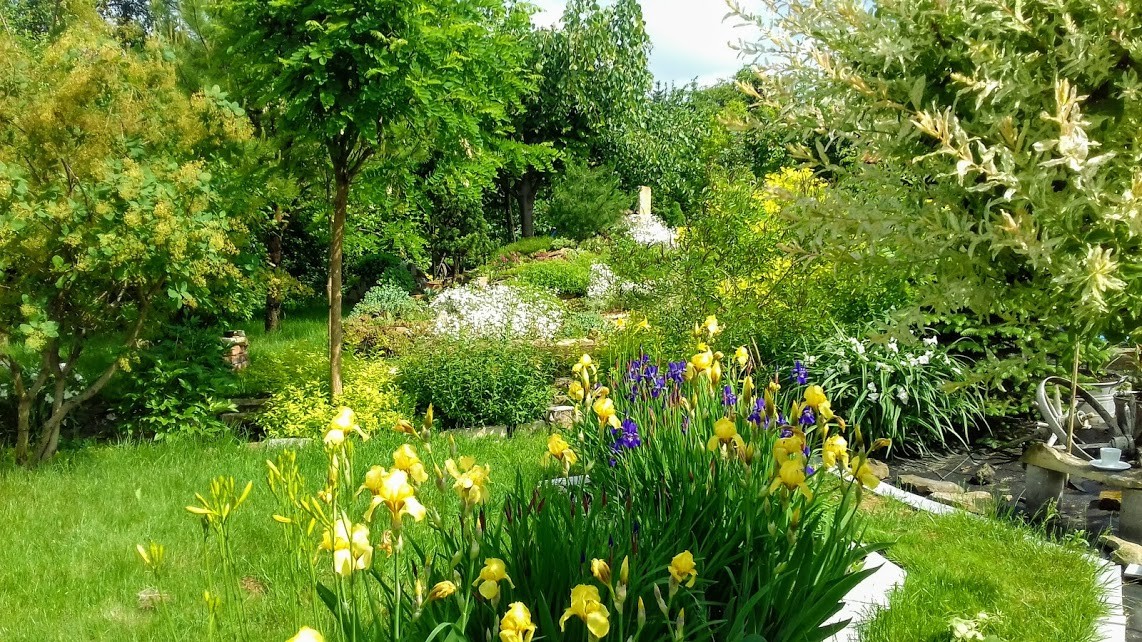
point(1047, 472)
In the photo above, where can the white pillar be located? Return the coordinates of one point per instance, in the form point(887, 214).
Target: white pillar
point(644, 201)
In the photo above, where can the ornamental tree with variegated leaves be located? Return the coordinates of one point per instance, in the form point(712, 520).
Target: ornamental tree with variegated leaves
point(110, 215)
point(993, 151)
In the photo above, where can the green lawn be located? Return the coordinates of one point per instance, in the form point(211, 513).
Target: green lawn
point(958, 565)
point(70, 570)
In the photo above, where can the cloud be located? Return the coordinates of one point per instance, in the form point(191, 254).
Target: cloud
point(691, 38)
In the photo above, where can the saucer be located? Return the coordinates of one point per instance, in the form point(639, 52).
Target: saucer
point(1116, 465)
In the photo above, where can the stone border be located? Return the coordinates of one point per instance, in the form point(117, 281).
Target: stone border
point(1109, 628)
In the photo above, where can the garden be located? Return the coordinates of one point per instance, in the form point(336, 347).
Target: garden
point(416, 320)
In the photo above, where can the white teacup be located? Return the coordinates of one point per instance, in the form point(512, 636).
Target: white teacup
point(1109, 456)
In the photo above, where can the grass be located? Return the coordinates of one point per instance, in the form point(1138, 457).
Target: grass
point(70, 570)
point(1033, 588)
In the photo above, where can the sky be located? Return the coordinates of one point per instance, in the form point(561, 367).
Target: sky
point(691, 41)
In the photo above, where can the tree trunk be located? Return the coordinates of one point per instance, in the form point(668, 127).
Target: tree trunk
point(273, 294)
point(525, 194)
point(509, 221)
point(336, 240)
point(23, 428)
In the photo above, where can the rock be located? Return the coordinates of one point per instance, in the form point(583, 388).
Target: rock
point(561, 416)
point(925, 486)
point(1122, 551)
point(979, 502)
point(878, 468)
point(151, 598)
point(287, 442)
point(1110, 500)
point(983, 475)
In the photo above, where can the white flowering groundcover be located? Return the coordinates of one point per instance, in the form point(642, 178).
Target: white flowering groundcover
point(497, 310)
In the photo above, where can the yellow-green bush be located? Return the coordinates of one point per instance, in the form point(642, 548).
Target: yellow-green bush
point(304, 409)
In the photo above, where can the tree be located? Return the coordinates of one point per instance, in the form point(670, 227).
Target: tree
point(362, 78)
point(998, 149)
point(593, 74)
point(110, 221)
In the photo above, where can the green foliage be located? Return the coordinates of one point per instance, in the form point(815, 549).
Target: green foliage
point(916, 395)
point(111, 178)
point(685, 141)
point(178, 388)
point(379, 336)
point(662, 482)
point(997, 157)
point(390, 300)
point(302, 408)
point(585, 201)
point(569, 276)
point(732, 261)
point(383, 267)
point(474, 383)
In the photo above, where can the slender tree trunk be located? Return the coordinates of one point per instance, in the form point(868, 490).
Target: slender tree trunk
point(509, 220)
point(336, 240)
point(273, 295)
point(525, 194)
point(23, 428)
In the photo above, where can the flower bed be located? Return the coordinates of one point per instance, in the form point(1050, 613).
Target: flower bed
point(703, 517)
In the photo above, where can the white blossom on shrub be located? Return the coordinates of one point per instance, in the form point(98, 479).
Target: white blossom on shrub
point(496, 310)
point(649, 230)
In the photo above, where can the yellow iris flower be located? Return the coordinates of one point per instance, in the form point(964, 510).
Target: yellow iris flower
point(587, 606)
point(558, 448)
point(726, 434)
point(815, 396)
point(306, 634)
point(344, 422)
point(601, 570)
point(605, 410)
point(863, 472)
point(835, 450)
point(516, 625)
point(441, 590)
point(682, 567)
point(350, 546)
point(792, 476)
point(471, 480)
point(790, 447)
point(406, 459)
point(741, 355)
point(575, 391)
point(391, 489)
point(494, 572)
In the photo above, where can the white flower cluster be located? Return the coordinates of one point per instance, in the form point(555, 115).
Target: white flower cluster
point(649, 230)
point(605, 284)
point(495, 310)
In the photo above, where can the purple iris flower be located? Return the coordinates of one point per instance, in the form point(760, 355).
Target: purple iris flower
point(650, 371)
point(800, 373)
point(807, 418)
point(634, 371)
point(627, 436)
point(809, 470)
point(758, 409)
point(659, 384)
point(728, 396)
point(675, 371)
point(786, 432)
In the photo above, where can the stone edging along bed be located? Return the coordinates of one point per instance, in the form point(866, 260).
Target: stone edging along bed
point(1109, 628)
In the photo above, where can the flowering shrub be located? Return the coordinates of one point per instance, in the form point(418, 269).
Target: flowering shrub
point(303, 409)
point(915, 395)
point(705, 517)
point(496, 311)
point(387, 299)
